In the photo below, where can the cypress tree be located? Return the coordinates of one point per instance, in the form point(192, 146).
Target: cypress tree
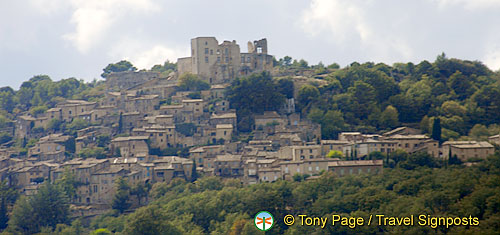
point(194, 173)
point(436, 130)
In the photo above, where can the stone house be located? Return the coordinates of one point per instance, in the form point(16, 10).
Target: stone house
point(467, 149)
point(329, 145)
point(409, 143)
point(71, 109)
point(143, 104)
point(51, 147)
point(304, 167)
point(223, 118)
point(269, 118)
point(228, 165)
point(167, 168)
point(494, 139)
point(23, 125)
point(342, 168)
point(130, 146)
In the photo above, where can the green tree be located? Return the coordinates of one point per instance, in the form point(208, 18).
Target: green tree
point(68, 183)
point(191, 82)
point(121, 199)
point(47, 208)
point(101, 231)
point(390, 117)
point(307, 94)
point(140, 191)
point(120, 66)
point(335, 154)
point(436, 129)
point(253, 94)
point(7, 99)
point(150, 220)
point(194, 172)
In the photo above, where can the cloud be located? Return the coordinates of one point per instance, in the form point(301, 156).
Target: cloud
point(341, 18)
point(470, 4)
point(492, 59)
point(146, 54)
point(353, 23)
point(93, 18)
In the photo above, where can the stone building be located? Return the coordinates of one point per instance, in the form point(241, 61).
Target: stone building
point(467, 149)
point(218, 63)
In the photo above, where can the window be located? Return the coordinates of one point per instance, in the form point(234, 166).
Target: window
point(310, 168)
point(211, 52)
point(227, 59)
point(360, 171)
point(286, 170)
point(218, 52)
point(159, 174)
point(350, 171)
point(310, 150)
point(317, 168)
point(226, 51)
point(206, 51)
point(341, 171)
point(206, 59)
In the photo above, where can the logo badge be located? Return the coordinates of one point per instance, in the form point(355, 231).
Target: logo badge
point(264, 220)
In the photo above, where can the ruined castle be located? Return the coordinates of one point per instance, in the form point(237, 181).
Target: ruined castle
point(219, 63)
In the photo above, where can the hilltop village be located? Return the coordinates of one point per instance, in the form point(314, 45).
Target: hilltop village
point(148, 129)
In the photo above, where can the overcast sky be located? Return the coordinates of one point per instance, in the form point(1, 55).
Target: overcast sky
point(77, 38)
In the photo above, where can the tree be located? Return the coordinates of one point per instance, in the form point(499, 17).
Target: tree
point(307, 94)
point(8, 196)
point(121, 66)
point(101, 231)
point(150, 220)
point(194, 173)
point(68, 184)
point(191, 82)
point(121, 199)
point(253, 94)
point(120, 123)
point(335, 154)
point(285, 86)
point(47, 208)
point(390, 117)
point(436, 130)
point(140, 191)
point(187, 129)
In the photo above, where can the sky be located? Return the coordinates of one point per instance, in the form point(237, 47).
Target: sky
point(78, 38)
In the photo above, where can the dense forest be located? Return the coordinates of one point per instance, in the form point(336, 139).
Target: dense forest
point(368, 97)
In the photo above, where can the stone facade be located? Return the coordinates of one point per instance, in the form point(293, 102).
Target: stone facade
point(219, 63)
